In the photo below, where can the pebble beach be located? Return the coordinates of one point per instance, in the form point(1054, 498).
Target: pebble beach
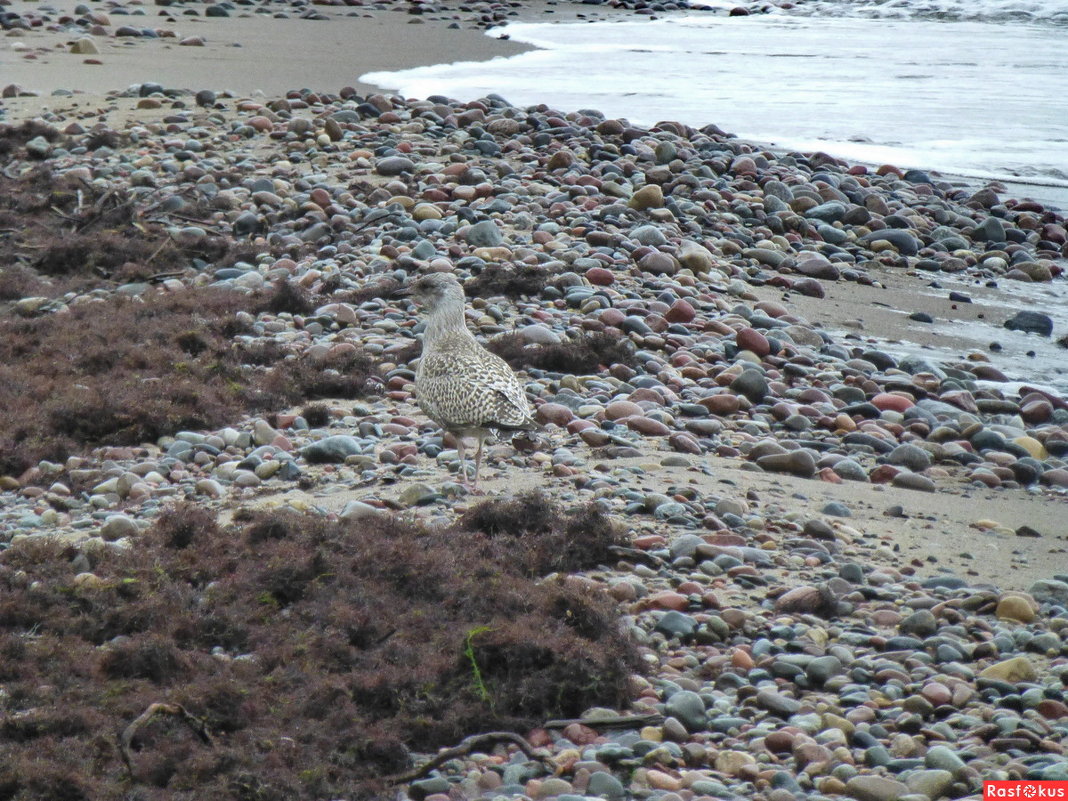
point(839, 447)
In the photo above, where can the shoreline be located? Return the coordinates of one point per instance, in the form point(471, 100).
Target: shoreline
point(819, 539)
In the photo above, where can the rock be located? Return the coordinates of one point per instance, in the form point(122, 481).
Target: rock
point(989, 230)
point(417, 495)
point(1031, 322)
point(911, 456)
point(1015, 607)
point(921, 623)
point(484, 234)
point(905, 243)
point(1049, 591)
point(930, 783)
point(676, 624)
point(650, 196)
point(657, 263)
point(831, 211)
point(752, 340)
point(604, 785)
point(804, 599)
point(875, 788)
point(733, 762)
point(85, 46)
point(1014, 670)
point(822, 668)
point(394, 165)
point(695, 258)
point(39, 147)
point(777, 703)
point(798, 463)
point(118, 526)
point(751, 384)
point(943, 758)
point(334, 448)
point(689, 708)
point(649, 235)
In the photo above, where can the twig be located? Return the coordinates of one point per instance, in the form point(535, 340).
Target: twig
point(198, 727)
point(156, 252)
point(610, 722)
point(161, 276)
point(466, 746)
point(68, 217)
point(636, 555)
point(201, 223)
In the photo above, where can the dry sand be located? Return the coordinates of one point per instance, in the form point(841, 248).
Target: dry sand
point(241, 54)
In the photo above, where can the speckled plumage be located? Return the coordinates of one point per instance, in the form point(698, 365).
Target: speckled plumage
point(459, 384)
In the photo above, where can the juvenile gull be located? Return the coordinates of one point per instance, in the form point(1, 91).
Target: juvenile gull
point(460, 385)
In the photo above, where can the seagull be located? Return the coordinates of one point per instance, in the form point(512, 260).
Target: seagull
point(459, 384)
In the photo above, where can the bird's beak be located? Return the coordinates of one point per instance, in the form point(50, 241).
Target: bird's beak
point(401, 292)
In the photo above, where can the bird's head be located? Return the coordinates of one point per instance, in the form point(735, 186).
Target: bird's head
point(435, 289)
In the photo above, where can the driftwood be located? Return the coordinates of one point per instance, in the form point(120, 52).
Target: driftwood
point(466, 746)
point(479, 741)
point(609, 722)
point(197, 726)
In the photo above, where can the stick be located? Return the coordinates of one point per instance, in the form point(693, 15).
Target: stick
point(162, 276)
point(611, 722)
point(126, 738)
point(157, 251)
point(466, 746)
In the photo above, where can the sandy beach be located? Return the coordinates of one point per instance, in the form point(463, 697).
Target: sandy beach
point(832, 485)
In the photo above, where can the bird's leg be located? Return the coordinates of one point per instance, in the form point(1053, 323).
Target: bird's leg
point(478, 458)
point(460, 455)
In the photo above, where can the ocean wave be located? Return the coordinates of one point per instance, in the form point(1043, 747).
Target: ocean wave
point(996, 11)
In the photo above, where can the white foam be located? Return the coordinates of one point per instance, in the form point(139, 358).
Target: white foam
point(1038, 11)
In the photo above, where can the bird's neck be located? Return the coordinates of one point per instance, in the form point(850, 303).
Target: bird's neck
point(447, 318)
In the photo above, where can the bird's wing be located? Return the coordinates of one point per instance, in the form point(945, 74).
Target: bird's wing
point(472, 389)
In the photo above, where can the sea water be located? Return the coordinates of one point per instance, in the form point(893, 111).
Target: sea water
point(973, 88)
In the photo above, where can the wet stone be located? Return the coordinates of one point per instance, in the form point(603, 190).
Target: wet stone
point(689, 708)
point(676, 624)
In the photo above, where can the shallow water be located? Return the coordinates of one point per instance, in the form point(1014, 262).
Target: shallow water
point(964, 97)
point(1026, 359)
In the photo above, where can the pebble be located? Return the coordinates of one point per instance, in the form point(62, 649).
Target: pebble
point(800, 656)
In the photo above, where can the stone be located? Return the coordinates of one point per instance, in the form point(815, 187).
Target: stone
point(604, 785)
point(732, 762)
point(484, 234)
point(1016, 669)
point(905, 243)
point(911, 456)
point(798, 463)
point(777, 703)
point(875, 788)
point(118, 526)
point(394, 165)
point(943, 758)
point(1031, 322)
point(676, 624)
point(689, 708)
point(1015, 607)
point(751, 384)
point(921, 623)
point(85, 46)
point(417, 495)
point(650, 196)
point(335, 448)
point(1049, 591)
point(931, 783)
